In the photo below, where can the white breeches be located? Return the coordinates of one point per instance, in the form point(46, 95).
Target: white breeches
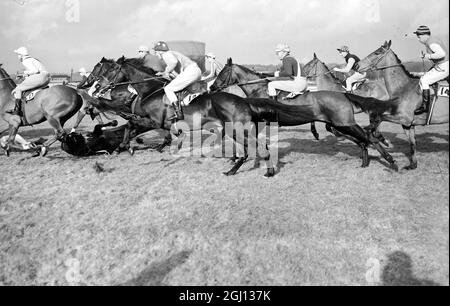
point(297, 85)
point(353, 79)
point(32, 82)
point(190, 75)
point(438, 73)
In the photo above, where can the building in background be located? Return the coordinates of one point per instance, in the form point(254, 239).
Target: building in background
point(59, 78)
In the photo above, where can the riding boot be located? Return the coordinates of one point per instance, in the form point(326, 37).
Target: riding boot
point(178, 111)
point(425, 107)
point(17, 108)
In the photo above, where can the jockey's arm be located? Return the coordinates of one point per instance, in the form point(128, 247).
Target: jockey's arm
point(30, 68)
point(171, 62)
point(347, 68)
point(438, 52)
point(211, 72)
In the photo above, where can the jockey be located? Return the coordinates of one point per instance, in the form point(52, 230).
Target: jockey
point(291, 70)
point(151, 60)
point(185, 70)
point(437, 52)
point(35, 76)
point(214, 69)
point(352, 67)
point(84, 76)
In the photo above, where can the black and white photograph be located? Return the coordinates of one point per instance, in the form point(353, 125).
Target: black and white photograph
point(224, 144)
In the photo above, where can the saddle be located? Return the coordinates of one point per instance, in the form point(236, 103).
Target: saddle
point(29, 95)
point(187, 95)
point(358, 84)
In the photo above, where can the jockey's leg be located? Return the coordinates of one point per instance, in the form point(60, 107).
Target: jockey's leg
point(352, 80)
point(272, 89)
point(436, 74)
point(190, 75)
point(17, 93)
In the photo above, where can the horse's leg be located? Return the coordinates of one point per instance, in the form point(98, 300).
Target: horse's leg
point(80, 118)
point(126, 139)
point(410, 132)
point(314, 131)
point(374, 129)
point(59, 135)
point(167, 142)
point(241, 160)
point(224, 136)
point(356, 134)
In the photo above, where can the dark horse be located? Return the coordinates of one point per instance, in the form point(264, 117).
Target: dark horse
point(405, 87)
point(252, 83)
point(88, 108)
point(99, 141)
point(214, 111)
point(56, 105)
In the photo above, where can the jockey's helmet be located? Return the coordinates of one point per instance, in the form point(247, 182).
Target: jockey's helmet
point(344, 49)
point(283, 48)
point(82, 71)
point(22, 51)
point(161, 46)
point(423, 30)
point(210, 55)
point(144, 49)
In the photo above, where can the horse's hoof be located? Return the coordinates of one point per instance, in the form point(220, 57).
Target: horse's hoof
point(44, 151)
point(229, 173)
point(36, 153)
point(116, 152)
point(270, 173)
point(131, 151)
point(410, 167)
point(316, 136)
point(7, 150)
point(394, 167)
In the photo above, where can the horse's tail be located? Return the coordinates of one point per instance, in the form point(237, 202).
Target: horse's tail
point(267, 110)
point(372, 105)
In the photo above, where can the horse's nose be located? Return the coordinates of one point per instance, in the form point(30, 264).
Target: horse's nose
point(97, 86)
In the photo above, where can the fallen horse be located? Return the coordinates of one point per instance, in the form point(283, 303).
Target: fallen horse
point(101, 140)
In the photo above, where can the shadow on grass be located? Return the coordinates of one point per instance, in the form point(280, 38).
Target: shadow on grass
point(155, 274)
point(399, 272)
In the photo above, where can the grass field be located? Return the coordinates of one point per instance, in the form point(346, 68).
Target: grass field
point(154, 219)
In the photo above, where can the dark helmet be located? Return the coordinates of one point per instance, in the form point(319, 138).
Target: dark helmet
point(423, 30)
point(161, 46)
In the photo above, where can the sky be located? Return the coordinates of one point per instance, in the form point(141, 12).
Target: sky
point(67, 34)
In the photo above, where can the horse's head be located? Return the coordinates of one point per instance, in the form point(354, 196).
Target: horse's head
point(378, 58)
point(98, 70)
point(111, 73)
point(233, 74)
point(314, 68)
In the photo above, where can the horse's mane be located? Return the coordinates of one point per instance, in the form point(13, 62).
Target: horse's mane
point(139, 63)
point(409, 74)
point(5, 75)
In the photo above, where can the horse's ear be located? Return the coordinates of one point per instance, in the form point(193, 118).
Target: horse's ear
point(315, 55)
point(390, 43)
point(230, 61)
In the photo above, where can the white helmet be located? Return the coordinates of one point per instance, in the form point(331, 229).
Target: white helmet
point(144, 49)
point(211, 55)
point(283, 47)
point(22, 51)
point(82, 71)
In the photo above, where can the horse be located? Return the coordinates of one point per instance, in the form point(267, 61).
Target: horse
point(99, 141)
point(252, 83)
point(405, 87)
point(324, 79)
point(215, 110)
point(82, 88)
point(56, 105)
point(374, 86)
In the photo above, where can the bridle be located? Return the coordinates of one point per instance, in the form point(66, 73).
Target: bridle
point(373, 65)
point(227, 82)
